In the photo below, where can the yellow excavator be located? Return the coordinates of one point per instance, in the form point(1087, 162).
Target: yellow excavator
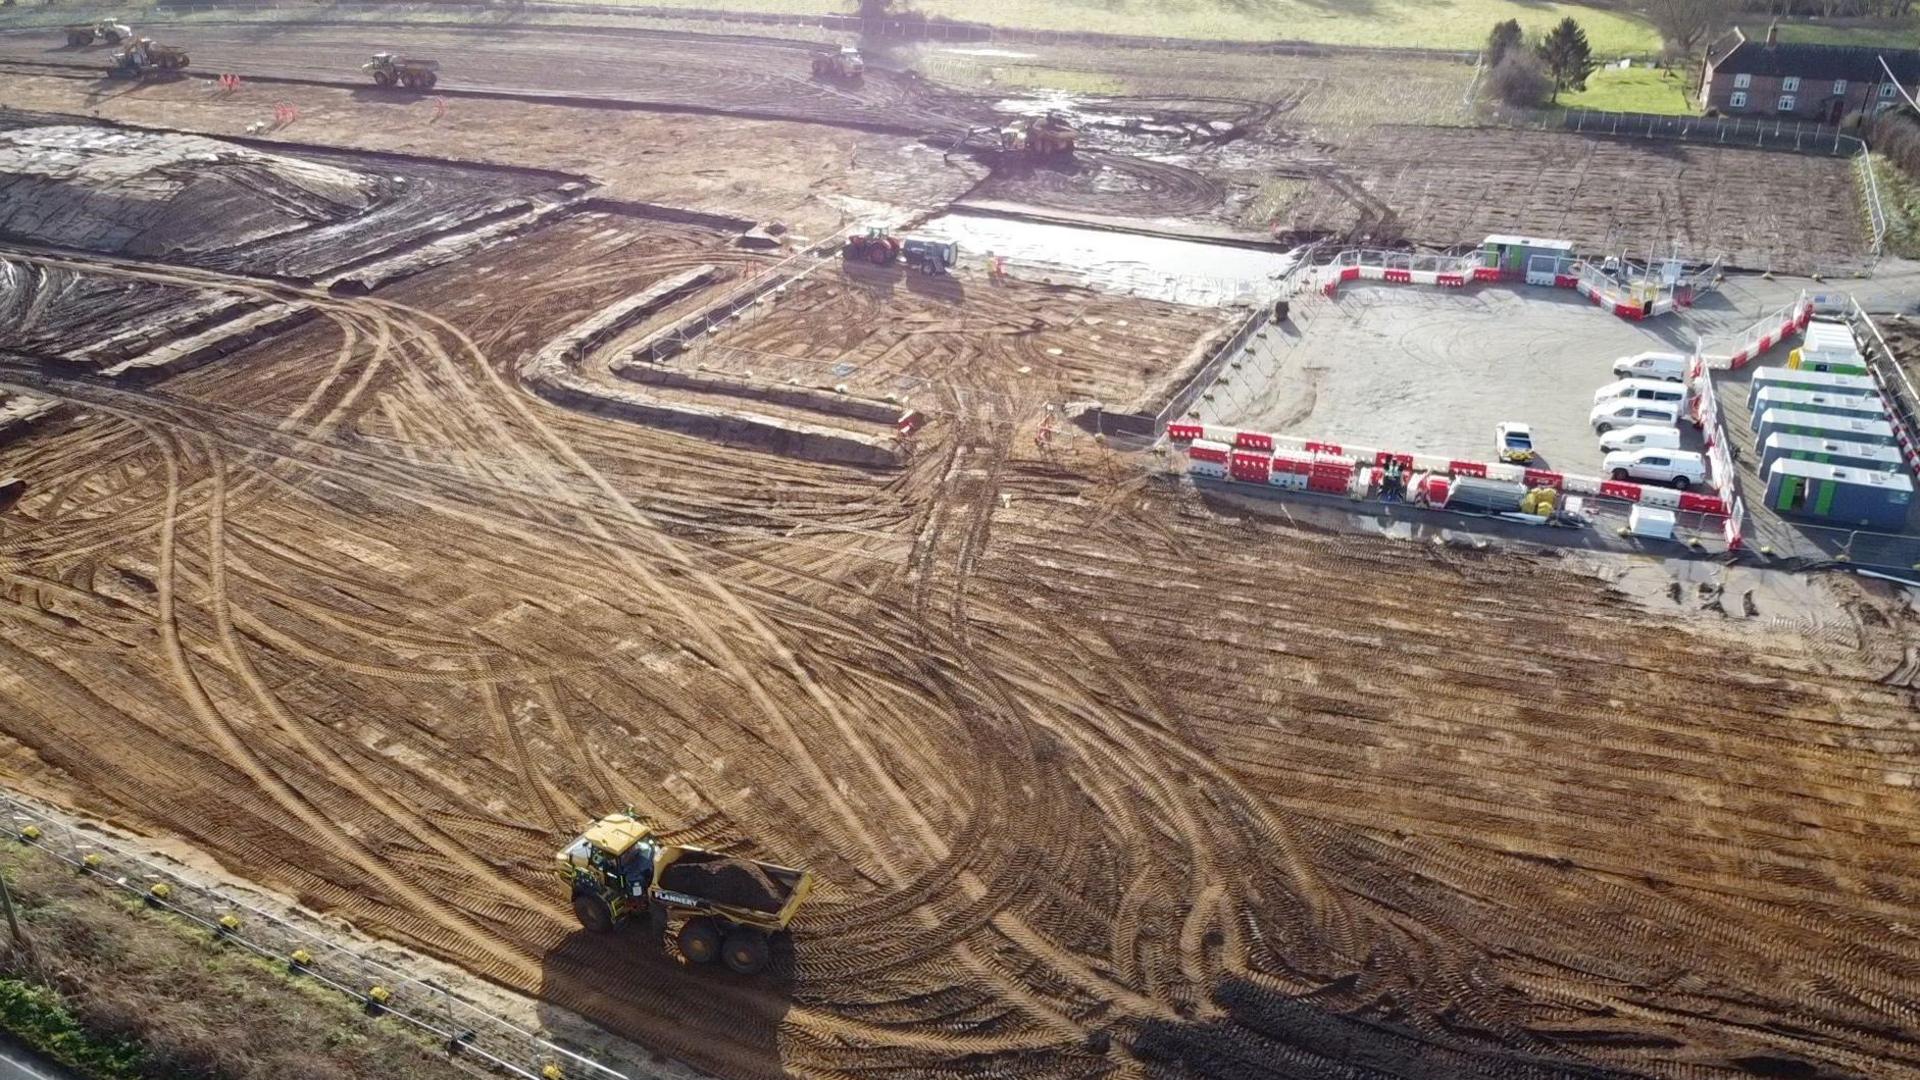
point(730, 906)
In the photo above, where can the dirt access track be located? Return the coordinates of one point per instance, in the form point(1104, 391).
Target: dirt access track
point(1097, 780)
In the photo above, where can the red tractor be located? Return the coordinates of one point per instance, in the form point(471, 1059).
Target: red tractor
point(875, 246)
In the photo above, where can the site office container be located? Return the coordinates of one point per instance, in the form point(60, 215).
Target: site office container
point(1819, 382)
point(1848, 455)
point(1860, 406)
point(1823, 426)
point(1827, 334)
point(1855, 498)
point(1829, 361)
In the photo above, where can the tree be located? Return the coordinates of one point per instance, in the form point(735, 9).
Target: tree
point(875, 9)
point(1687, 25)
point(1505, 38)
point(1519, 79)
point(1567, 56)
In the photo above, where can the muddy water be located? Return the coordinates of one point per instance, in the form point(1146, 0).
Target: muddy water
point(1158, 268)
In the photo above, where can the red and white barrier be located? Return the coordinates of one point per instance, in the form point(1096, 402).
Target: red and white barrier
point(1295, 463)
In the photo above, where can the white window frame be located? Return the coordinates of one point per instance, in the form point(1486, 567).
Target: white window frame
point(1790, 84)
point(1741, 82)
point(1738, 100)
point(1840, 87)
point(1786, 103)
point(1886, 90)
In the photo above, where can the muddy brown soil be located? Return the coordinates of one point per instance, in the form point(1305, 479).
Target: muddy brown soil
point(811, 177)
point(1761, 210)
point(1096, 781)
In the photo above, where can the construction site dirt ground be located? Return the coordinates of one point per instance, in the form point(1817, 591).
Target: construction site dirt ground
point(1099, 777)
point(1292, 154)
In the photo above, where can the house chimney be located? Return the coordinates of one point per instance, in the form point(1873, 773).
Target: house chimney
point(1773, 34)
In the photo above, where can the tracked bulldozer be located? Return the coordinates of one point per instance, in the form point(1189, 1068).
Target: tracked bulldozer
point(846, 65)
point(412, 73)
point(1046, 136)
point(144, 56)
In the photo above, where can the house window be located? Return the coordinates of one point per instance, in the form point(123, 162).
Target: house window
point(1840, 88)
point(1786, 102)
point(1738, 100)
point(1886, 90)
point(1741, 82)
point(1790, 83)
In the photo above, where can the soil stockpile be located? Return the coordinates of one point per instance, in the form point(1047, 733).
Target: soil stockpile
point(733, 882)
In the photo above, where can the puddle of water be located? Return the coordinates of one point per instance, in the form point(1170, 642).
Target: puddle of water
point(1159, 268)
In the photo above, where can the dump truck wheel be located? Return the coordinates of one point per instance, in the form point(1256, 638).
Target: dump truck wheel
point(700, 941)
point(593, 912)
point(746, 951)
point(879, 255)
point(383, 78)
point(428, 80)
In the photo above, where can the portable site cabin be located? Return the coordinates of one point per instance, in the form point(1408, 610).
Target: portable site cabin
point(1831, 361)
point(1803, 379)
point(1472, 493)
point(1848, 455)
point(1514, 255)
point(1849, 497)
point(1825, 334)
point(1823, 426)
point(1866, 407)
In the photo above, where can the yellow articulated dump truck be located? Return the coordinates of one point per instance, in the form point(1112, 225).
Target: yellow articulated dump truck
point(731, 906)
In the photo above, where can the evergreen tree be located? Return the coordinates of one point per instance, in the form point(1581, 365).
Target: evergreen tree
point(1505, 38)
point(1568, 57)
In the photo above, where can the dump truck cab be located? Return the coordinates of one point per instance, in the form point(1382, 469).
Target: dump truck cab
point(731, 905)
point(846, 64)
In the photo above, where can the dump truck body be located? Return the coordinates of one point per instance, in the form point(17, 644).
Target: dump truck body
point(411, 72)
point(731, 905)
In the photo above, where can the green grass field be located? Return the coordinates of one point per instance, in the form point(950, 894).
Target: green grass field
point(1904, 33)
point(1637, 89)
point(1462, 24)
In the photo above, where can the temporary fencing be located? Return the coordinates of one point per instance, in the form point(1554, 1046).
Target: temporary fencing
point(1630, 298)
point(465, 1029)
point(1896, 387)
point(1738, 350)
point(1706, 412)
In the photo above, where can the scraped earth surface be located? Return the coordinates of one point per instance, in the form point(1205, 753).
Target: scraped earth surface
point(1760, 210)
point(1096, 780)
point(59, 314)
point(222, 205)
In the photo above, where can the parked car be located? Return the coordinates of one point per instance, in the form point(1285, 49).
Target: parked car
point(1680, 468)
point(1649, 436)
point(1641, 390)
point(1669, 366)
point(1513, 442)
point(1628, 413)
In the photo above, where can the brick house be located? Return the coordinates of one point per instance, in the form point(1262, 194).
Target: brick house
point(1820, 83)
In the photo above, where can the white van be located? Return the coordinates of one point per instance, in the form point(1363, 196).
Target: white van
point(1676, 467)
point(1652, 436)
point(1641, 390)
point(1669, 366)
point(1627, 412)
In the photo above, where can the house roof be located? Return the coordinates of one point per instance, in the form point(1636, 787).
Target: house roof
point(1852, 62)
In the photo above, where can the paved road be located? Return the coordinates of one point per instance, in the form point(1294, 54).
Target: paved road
point(20, 1064)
